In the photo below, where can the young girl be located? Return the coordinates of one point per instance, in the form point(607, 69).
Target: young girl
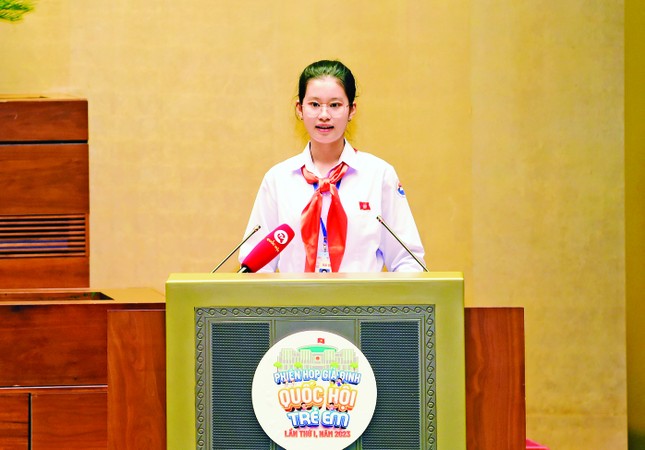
point(331, 194)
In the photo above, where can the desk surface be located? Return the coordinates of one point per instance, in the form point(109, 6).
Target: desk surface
point(75, 296)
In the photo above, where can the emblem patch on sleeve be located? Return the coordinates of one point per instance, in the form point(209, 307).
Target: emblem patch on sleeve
point(364, 206)
point(399, 189)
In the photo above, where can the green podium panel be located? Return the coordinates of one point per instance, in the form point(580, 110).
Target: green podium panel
point(220, 328)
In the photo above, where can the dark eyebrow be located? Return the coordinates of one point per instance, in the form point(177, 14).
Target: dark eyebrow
point(333, 99)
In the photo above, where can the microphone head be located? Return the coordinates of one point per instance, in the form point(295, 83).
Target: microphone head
point(268, 248)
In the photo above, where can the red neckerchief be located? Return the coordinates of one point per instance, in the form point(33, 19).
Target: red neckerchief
point(336, 219)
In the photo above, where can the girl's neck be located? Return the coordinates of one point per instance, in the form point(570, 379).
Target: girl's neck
point(326, 156)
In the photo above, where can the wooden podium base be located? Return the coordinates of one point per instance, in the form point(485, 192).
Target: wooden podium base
point(495, 407)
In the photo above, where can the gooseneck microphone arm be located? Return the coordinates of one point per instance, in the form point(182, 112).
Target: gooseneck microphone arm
point(253, 231)
point(423, 266)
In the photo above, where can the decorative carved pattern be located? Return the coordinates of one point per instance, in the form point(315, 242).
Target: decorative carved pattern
point(207, 316)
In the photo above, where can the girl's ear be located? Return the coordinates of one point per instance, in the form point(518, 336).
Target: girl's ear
point(352, 111)
point(299, 109)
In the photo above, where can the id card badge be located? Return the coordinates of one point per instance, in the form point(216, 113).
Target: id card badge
point(323, 263)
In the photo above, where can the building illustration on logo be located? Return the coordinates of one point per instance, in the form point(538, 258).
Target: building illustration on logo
point(318, 357)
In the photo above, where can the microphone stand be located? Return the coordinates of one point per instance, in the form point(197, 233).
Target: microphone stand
point(423, 266)
point(253, 231)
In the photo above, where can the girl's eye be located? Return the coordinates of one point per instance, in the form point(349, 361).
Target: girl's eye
point(335, 105)
point(315, 104)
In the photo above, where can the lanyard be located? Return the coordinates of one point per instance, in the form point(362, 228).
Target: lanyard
point(322, 224)
point(324, 232)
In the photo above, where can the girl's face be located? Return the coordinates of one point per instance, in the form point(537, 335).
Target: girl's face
point(325, 110)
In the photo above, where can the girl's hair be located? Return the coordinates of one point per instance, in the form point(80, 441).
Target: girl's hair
point(326, 68)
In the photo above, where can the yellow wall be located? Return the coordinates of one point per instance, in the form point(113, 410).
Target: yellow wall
point(635, 219)
point(548, 205)
point(503, 119)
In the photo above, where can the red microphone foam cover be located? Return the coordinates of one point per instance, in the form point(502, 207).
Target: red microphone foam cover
point(268, 248)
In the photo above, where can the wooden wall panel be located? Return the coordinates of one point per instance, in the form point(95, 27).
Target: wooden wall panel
point(495, 392)
point(44, 179)
point(50, 345)
point(55, 345)
point(14, 421)
point(137, 379)
point(64, 272)
point(69, 420)
point(53, 364)
point(43, 119)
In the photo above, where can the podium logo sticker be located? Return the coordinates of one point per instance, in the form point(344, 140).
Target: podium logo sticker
point(314, 390)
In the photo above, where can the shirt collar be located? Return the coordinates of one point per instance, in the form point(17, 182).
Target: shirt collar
point(349, 157)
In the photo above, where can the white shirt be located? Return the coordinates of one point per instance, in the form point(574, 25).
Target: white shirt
point(369, 188)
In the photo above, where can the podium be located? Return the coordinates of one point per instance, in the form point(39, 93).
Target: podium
point(409, 326)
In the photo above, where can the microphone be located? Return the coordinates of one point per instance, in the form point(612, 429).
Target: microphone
point(253, 231)
point(380, 219)
point(267, 249)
